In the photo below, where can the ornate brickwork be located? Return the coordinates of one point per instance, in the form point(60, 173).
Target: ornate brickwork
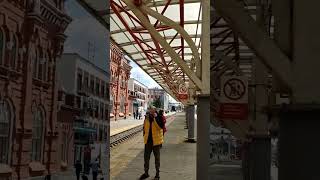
point(31, 41)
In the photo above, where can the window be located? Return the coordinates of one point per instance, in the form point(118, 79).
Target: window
point(100, 133)
point(2, 45)
point(13, 53)
point(79, 80)
point(35, 65)
point(106, 112)
point(102, 89)
point(95, 126)
point(122, 104)
point(92, 84)
point(97, 87)
point(96, 109)
point(64, 147)
point(40, 66)
point(86, 80)
point(102, 111)
point(107, 90)
point(37, 134)
point(5, 130)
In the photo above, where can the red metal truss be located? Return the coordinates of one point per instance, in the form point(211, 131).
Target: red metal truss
point(115, 7)
point(152, 53)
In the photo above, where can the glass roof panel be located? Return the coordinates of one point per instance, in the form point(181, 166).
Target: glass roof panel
point(192, 25)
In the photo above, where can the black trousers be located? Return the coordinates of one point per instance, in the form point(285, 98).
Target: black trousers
point(94, 175)
point(148, 148)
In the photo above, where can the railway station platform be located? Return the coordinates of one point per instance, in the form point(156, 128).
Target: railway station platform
point(178, 158)
point(122, 125)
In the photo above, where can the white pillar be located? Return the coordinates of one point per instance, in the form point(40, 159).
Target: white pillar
point(191, 123)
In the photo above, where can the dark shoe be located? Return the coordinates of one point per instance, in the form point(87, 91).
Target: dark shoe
point(157, 177)
point(144, 176)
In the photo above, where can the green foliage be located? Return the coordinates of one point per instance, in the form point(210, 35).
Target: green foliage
point(157, 103)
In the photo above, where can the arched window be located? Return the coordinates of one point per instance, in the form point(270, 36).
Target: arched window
point(122, 104)
point(2, 45)
point(41, 65)
point(35, 65)
point(45, 67)
point(13, 53)
point(5, 130)
point(37, 134)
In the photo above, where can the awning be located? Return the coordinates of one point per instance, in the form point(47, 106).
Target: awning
point(84, 130)
point(135, 102)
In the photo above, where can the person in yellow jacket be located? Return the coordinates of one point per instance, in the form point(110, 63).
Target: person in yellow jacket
point(153, 139)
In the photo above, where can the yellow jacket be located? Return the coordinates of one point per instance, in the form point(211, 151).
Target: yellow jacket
point(157, 132)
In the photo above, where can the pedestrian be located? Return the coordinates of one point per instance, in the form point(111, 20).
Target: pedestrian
point(140, 114)
point(134, 115)
point(163, 119)
point(78, 167)
point(95, 169)
point(153, 139)
point(137, 113)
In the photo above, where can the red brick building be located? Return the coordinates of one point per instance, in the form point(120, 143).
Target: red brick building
point(31, 41)
point(120, 74)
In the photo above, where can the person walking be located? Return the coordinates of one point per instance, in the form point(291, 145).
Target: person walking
point(78, 167)
point(153, 139)
point(137, 113)
point(140, 113)
point(134, 115)
point(95, 169)
point(163, 119)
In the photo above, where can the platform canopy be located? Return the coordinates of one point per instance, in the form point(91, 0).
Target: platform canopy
point(127, 31)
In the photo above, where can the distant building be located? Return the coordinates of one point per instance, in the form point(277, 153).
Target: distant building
point(138, 96)
point(157, 93)
point(120, 73)
point(85, 88)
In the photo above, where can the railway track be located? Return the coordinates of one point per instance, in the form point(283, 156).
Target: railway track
point(125, 135)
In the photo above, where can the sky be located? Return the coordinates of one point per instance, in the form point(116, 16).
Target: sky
point(84, 29)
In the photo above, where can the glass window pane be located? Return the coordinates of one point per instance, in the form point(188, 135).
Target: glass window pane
point(1, 45)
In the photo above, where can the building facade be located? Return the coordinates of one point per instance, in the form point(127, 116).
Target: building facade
point(68, 109)
point(31, 41)
point(120, 73)
point(138, 96)
point(162, 95)
point(86, 92)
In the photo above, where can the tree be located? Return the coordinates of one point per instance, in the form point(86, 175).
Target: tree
point(157, 103)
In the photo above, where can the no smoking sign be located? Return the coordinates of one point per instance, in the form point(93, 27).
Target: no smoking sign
point(183, 92)
point(234, 89)
point(183, 89)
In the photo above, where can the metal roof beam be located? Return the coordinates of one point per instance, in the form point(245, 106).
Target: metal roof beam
point(150, 40)
point(163, 3)
point(256, 39)
point(139, 27)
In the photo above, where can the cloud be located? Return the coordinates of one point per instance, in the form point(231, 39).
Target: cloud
point(138, 74)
